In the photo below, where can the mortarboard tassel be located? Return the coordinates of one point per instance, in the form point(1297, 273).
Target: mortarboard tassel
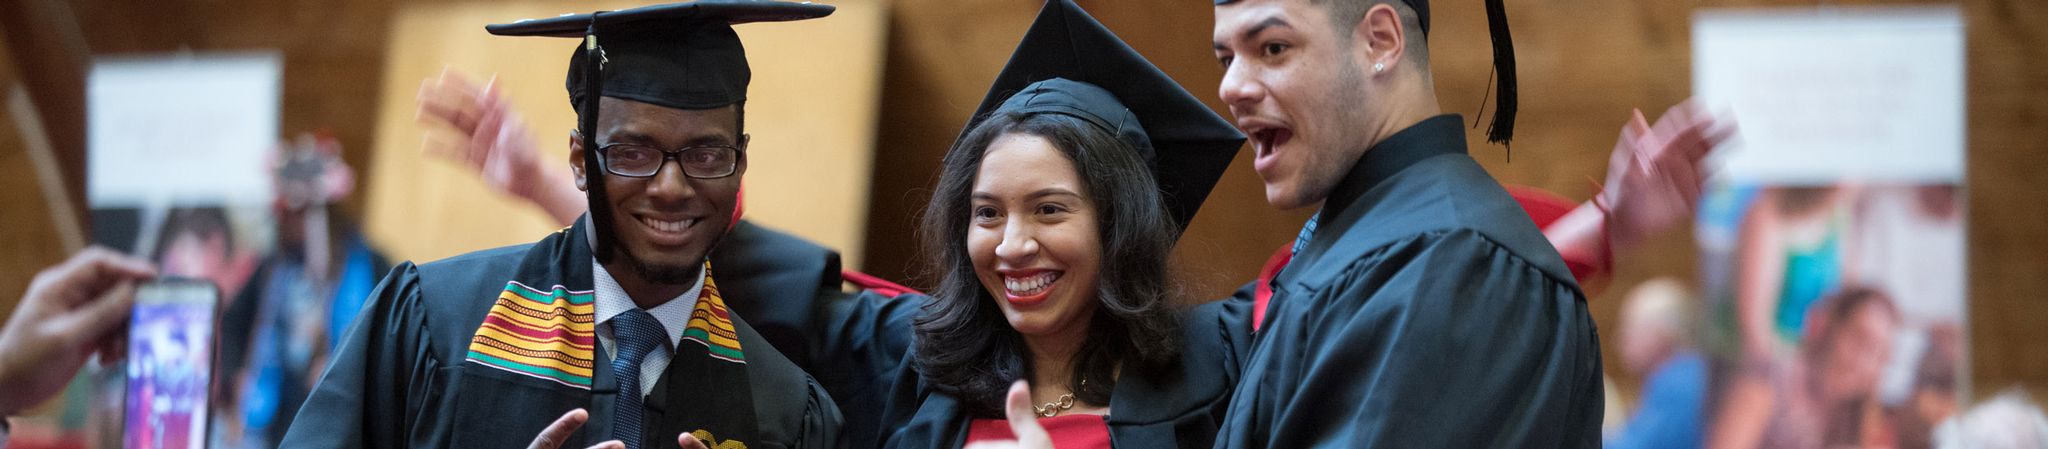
point(1503, 127)
point(593, 172)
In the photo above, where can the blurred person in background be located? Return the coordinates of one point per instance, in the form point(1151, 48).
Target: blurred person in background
point(70, 311)
point(1826, 397)
point(1656, 342)
point(199, 243)
point(276, 336)
point(1932, 397)
point(1794, 253)
point(2010, 420)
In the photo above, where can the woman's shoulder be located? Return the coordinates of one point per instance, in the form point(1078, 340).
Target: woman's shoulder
point(1216, 336)
point(918, 416)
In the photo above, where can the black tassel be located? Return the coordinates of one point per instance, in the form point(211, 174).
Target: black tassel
point(594, 173)
point(1503, 127)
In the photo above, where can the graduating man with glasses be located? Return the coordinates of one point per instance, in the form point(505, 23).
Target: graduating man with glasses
point(616, 321)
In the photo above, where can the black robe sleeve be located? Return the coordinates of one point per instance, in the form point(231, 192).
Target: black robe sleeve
point(364, 399)
point(859, 347)
point(822, 426)
point(1444, 339)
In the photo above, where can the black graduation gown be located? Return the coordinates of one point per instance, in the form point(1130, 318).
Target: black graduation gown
point(400, 378)
point(850, 342)
point(774, 279)
point(1427, 311)
point(1180, 408)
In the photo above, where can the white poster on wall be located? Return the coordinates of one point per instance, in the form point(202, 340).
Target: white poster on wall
point(1833, 93)
point(189, 128)
point(1832, 238)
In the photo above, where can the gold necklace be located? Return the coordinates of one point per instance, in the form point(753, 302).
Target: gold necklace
point(1063, 403)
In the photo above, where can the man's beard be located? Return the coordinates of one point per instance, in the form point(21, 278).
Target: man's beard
point(675, 274)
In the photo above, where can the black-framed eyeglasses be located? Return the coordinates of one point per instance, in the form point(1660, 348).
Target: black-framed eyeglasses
point(698, 161)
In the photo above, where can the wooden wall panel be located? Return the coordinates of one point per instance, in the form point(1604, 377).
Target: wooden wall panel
point(28, 228)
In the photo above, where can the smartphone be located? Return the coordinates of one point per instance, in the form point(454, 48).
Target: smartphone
point(170, 364)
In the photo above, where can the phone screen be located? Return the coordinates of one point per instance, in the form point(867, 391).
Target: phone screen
point(170, 364)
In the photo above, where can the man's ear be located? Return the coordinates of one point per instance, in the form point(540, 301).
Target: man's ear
point(576, 160)
point(1380, 39)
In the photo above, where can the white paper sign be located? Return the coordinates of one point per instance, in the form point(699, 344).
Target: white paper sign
point(1832, 94)
point(181, 129)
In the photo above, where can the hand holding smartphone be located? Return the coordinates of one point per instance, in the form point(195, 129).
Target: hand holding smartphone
point(170, 364)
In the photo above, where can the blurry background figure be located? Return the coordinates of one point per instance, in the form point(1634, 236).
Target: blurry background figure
point(1931, 396)
point(1849, 342)
point(1837, 314)
point(2009, 421)
point(1793, 253)
point(1910, 242)
point(275, 337)
point(200, 243)
point(1826, 396)
point(1657, 345)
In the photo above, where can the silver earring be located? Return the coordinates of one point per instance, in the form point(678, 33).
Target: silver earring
point(1378, 67)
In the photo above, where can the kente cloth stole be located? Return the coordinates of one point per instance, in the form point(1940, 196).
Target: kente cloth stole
point(711, 324)
point(545, 334)
point(708, 388)
point(549, 333)
point(543, 324)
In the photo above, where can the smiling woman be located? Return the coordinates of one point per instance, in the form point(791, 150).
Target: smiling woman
point(1033, 212)
point(1049, 230)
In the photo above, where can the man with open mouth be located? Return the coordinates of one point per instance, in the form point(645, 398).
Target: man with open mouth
point(1421, 307)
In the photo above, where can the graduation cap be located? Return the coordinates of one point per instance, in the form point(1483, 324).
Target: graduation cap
point(1503, 127)
point(678, 55)
point(1069, 64)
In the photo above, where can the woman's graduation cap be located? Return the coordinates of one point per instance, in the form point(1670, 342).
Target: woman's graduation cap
point(1070, 64)
point(1503, 127)
point(678, 55)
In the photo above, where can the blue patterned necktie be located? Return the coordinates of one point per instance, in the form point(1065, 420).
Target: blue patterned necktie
point(1308, 231)
point(637, 334)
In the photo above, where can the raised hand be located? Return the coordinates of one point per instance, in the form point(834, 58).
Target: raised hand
point(1023, 423)
point(558, 432)
point(69, 311)
point(1656, 172)
point(494, 141)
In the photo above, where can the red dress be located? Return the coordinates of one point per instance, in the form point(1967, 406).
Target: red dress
point(1077, 431)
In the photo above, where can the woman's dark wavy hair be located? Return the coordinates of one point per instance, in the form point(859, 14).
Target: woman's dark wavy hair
point(966, 348)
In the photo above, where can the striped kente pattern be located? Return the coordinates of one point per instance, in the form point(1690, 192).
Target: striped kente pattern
point(711, 325)
point(541, 334)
